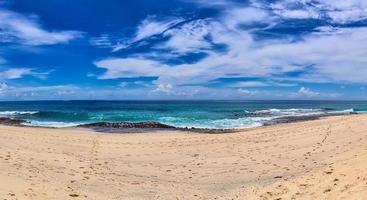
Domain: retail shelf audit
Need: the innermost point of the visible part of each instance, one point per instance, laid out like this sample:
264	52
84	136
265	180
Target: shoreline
324	158
143	127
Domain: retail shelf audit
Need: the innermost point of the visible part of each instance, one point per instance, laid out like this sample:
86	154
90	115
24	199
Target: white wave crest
51	124
246	122
14	113
346	111
290	112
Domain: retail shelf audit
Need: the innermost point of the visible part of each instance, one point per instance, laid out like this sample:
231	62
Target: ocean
198	114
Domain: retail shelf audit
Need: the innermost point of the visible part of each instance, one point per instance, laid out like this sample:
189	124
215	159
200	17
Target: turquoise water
199	114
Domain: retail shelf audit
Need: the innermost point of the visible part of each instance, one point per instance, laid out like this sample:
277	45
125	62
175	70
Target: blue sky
183	49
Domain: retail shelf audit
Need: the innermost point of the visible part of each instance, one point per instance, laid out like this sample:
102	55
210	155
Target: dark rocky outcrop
121	125
11	121
282	120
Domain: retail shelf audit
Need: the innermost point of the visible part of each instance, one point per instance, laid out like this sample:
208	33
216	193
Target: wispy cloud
235	17
14	92
307	93
103	41
15	27
190	37
151	26
16	73
247	84
148	28
248	92
334	11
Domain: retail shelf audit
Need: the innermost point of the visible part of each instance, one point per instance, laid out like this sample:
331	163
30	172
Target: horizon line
185	100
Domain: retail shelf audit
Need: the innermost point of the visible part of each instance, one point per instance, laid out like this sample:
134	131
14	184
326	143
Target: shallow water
198	114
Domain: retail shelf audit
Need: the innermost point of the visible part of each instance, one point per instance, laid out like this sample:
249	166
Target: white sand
322	159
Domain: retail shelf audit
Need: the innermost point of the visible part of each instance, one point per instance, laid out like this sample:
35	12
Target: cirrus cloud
16	73
15	27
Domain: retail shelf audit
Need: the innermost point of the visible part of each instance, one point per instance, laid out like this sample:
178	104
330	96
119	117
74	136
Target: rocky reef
121	125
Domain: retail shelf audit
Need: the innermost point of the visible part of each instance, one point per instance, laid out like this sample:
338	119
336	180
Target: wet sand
320	159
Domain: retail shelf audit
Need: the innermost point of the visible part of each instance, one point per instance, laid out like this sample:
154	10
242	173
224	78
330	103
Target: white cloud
345	11
249	84
307	92
150	27
103	41
297	14
235	13
336	11
165	88
107	41
16	73
53	88
36	92
170	90
293	9
304	92
248	92
17	27
3	87
244	16
188	38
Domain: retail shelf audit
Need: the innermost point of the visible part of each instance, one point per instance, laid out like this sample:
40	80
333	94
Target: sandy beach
320	159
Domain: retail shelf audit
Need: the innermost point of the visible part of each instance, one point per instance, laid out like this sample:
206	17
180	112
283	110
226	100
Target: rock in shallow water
12	122
127	125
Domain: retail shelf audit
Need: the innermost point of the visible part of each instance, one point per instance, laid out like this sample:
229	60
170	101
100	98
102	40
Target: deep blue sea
199	114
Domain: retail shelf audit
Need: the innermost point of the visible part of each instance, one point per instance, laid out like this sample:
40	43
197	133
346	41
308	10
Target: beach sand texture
321	159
